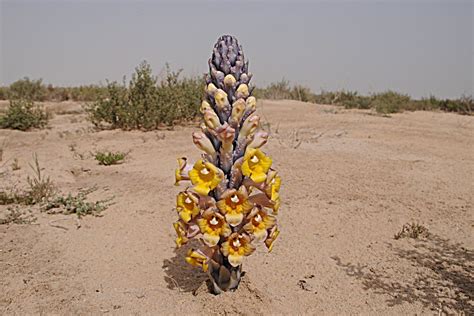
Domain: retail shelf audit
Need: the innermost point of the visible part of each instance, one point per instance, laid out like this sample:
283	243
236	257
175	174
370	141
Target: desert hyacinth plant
234	197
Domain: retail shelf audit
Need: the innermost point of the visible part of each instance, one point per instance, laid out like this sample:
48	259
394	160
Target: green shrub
146	103
275	91
110	158
178	99
77	204
3	93
40	189
390	102
111	111
425	104
86	93
463	105
28	89
24	115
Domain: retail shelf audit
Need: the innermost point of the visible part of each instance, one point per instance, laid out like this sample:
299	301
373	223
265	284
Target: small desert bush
283	90
16	216
412	230
40	189
76	204
23	115
28	89
110	158
111	110
146	103
390	102
463	105
385	103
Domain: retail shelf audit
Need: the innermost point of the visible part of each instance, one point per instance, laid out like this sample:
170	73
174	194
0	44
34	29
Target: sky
419	47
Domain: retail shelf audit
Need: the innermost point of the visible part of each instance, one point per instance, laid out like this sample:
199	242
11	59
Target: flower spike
235	195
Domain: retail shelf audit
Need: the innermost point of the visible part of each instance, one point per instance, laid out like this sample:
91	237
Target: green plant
463	105
15	216
390	102
77	204
147	103
3	93
40	188
234	200
28	89
412	230
10	197
110	158
112	110
24	115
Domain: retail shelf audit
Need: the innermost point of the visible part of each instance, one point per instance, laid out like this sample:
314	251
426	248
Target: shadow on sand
446	285
182	276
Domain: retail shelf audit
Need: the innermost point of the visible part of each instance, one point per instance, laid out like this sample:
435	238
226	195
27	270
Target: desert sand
350	181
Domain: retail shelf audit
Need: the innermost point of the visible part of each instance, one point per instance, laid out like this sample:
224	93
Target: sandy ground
350	181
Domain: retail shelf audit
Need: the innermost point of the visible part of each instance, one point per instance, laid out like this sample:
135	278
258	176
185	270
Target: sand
351	180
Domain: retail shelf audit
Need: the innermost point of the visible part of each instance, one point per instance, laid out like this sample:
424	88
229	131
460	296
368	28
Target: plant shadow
446	282
181	275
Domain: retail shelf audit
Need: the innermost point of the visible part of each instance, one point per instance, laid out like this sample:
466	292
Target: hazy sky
417	47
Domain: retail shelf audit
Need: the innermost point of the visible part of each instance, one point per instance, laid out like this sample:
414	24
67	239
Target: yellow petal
194	176
271	239
225	248
276	206
246	168
235	260
226	231
202	223
185	215
248	249
258	177
260	234
265	163
211	240
201	189
234	219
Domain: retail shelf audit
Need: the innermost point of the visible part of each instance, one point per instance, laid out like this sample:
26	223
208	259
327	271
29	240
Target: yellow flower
213	226
180	229
236	247
273	189
276	205
273	185
259	223
271	238
182	172
256	164
205	177
234	204
187	205
196	258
